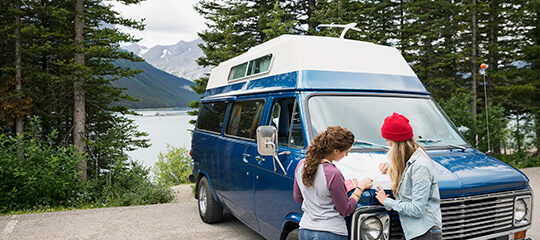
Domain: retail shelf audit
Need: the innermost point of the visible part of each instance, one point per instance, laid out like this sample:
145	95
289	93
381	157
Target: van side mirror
267	144
267	140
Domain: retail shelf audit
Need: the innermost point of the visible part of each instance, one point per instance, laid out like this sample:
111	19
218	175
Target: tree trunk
79	113
537	129
518	133
493	60
401	22
474	69
311	24
18	77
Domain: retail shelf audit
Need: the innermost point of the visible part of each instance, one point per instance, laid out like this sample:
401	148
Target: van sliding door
237	171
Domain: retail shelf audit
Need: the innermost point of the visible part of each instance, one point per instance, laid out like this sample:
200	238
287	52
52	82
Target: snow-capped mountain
136	48
178	60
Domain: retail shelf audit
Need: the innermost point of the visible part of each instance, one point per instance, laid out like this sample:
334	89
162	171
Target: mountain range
178	59
155	88
168	73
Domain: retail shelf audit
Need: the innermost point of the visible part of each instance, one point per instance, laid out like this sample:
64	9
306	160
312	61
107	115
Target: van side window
238	71
259	65
244	119
286	118
212	116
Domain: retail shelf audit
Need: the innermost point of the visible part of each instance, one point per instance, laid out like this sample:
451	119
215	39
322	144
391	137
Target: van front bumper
484	216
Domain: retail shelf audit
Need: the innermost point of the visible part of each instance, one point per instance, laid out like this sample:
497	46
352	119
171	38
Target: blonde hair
399	155
324	143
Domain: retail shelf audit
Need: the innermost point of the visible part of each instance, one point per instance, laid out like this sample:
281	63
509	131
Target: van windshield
364	116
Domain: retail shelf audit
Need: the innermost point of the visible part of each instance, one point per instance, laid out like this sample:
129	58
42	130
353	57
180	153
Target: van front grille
471	217
477	216
396	232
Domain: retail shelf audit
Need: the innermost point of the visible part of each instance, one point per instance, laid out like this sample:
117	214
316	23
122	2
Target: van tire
209	210
293	235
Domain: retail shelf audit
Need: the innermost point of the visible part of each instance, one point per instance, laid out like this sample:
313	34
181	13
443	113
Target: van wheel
209	210
293	235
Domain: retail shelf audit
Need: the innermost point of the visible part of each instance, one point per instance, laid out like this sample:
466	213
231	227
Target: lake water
164	127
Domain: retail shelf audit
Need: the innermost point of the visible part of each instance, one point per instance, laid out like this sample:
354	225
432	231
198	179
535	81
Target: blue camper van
262	109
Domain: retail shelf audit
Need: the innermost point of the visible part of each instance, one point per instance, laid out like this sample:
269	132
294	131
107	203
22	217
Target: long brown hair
324	143
399	155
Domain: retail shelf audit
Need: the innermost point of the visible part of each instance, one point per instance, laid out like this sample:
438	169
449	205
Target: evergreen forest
63	142
445	42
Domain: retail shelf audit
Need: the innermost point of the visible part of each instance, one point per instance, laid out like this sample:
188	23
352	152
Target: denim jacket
418	199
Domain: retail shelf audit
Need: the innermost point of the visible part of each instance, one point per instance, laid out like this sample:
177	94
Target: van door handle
284	153
245	157
259	158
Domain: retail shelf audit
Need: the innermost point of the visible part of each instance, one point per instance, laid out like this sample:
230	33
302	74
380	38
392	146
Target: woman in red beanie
414	184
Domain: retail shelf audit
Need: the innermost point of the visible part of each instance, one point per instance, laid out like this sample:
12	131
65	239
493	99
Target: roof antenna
483	66
345	27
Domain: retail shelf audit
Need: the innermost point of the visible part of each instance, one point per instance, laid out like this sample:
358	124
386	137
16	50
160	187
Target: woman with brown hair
320	187
414	184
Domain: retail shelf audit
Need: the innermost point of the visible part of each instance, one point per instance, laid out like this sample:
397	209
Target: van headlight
371	228
522	210
374	226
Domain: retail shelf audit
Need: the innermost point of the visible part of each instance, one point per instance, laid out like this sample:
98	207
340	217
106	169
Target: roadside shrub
519	159
129	184
173	167
35	173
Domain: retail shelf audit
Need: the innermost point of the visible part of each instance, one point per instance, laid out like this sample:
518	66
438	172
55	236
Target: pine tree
110	134
519	92
428	44
280	22
532	55
381	19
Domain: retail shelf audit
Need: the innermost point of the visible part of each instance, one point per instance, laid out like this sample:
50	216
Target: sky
167	21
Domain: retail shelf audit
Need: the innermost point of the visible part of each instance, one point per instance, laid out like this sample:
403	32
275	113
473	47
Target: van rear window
212	116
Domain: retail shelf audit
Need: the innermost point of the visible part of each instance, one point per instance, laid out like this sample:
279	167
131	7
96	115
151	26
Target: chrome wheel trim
203	200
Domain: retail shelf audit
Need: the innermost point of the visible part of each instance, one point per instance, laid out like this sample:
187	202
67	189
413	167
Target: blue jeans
306	234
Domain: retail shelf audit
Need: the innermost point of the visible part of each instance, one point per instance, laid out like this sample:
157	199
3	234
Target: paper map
357	166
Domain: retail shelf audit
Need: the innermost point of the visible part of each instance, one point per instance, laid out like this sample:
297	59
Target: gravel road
178	220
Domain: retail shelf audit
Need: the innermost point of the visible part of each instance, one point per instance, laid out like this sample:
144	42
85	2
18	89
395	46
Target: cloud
167	21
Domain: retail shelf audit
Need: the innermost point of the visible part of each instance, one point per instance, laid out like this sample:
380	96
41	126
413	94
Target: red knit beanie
397	128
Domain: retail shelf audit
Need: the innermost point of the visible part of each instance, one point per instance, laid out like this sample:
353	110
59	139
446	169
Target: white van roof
292	53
